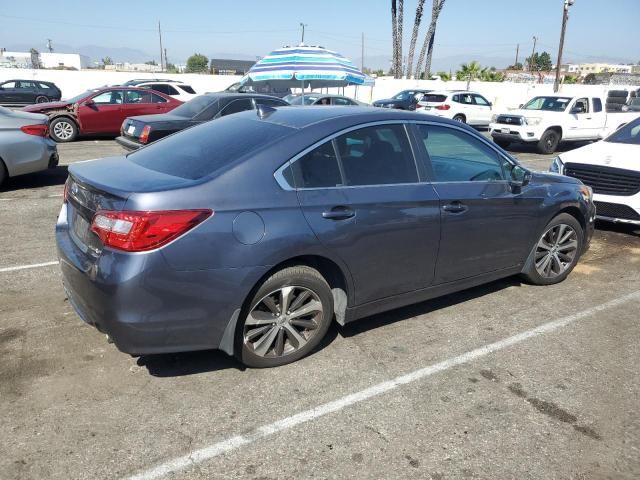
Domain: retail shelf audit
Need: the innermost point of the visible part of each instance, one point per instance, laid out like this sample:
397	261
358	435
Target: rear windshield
200	151
194	106
433	98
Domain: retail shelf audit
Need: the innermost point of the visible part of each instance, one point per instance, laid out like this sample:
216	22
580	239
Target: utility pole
565	17
166	62
49	45
362	57
161	49
517	52
303	25
535	39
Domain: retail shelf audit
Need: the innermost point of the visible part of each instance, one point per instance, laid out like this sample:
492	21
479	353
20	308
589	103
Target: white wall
503	95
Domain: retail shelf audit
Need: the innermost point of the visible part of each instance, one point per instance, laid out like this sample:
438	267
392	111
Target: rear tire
63	129
42	99
285	319
459	118
556	252
549	142
3	173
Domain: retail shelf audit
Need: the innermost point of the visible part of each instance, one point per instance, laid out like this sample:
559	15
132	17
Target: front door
485	225
362	196
482	109
104	115
580	122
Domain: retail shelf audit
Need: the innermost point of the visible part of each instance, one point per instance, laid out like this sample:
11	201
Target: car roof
240	95
304	116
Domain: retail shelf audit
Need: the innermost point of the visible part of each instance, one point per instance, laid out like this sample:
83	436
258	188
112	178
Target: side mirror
577	109
89	103
521	105
490	104
520	177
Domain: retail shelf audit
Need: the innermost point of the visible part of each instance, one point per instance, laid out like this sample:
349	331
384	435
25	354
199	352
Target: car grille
510	120
615	210
605	180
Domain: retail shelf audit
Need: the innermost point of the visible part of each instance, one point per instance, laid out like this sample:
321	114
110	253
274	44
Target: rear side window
237	106
597	104
434	98
187	88
317	169
201	151
45	86
378	155
456	156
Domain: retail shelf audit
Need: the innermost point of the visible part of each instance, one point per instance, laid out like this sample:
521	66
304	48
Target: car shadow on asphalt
46	178
623	228
531	147
424	308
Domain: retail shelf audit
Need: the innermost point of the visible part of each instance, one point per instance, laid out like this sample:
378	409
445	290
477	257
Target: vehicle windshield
194	106
297	99
77	98
549	104
404	95
629	134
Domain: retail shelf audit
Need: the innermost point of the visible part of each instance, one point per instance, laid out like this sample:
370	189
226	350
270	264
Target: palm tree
414	35
394	34
427	46
469	71
400	39
444	76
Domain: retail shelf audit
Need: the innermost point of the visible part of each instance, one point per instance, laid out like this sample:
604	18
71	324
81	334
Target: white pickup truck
548	120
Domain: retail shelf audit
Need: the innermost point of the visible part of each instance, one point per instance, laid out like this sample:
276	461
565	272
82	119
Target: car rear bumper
128	144
31	154
147	307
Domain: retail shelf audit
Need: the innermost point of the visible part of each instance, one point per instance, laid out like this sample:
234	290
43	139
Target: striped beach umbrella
306	67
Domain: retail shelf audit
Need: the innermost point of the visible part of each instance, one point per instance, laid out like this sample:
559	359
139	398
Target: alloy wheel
63	130
556	251
283	321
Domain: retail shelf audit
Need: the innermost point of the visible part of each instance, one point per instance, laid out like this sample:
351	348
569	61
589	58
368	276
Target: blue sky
598	29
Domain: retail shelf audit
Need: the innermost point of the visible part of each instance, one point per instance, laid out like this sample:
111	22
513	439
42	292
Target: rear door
142	102
362	196
485	225
27	91
104	115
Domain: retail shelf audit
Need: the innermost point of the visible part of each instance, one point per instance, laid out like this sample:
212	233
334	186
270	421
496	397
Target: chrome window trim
279	173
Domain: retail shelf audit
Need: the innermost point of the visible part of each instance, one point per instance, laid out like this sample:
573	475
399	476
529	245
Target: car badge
607	160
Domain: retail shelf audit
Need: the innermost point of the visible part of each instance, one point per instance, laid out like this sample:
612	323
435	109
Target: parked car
612	168
245	234
634	105
548	120
321	99
101	111
405	100
461	106
139	131
264	89
173	88
25	146
26	92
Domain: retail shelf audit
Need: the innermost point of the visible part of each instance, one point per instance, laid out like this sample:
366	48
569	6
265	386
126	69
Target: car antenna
264	111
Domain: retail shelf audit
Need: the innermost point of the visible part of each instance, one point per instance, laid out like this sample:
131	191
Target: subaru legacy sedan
251	234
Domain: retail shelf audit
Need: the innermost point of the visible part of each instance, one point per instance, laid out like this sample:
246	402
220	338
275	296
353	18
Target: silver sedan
25	146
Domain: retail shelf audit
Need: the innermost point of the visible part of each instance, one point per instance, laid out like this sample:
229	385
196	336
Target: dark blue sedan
251	234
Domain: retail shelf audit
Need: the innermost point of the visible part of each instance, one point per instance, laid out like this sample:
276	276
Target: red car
101	111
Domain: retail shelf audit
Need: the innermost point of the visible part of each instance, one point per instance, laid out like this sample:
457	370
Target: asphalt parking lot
497	382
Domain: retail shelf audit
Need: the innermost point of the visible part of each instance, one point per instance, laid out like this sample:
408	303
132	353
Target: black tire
301	278
530	272
3	173
549	142
63	129
42	99
617	93
501	142
460	118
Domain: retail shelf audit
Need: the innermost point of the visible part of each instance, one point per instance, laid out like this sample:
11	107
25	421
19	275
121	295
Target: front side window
458	157
582	103
378	155
480	100
108	98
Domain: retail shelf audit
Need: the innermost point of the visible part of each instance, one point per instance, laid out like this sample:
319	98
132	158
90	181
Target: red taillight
144	135
419	106
41	130
443	107
142	231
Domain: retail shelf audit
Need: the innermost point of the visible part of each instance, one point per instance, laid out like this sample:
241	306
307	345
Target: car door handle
339	213
455	207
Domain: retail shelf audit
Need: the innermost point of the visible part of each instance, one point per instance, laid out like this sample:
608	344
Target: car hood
386	101
608	154
547	177
45	107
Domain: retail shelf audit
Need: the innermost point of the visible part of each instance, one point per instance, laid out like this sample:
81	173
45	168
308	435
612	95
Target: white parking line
232	443
26	267
9	199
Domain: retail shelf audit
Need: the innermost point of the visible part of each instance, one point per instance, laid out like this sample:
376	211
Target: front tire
549	142
63	129
556	252
286	318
